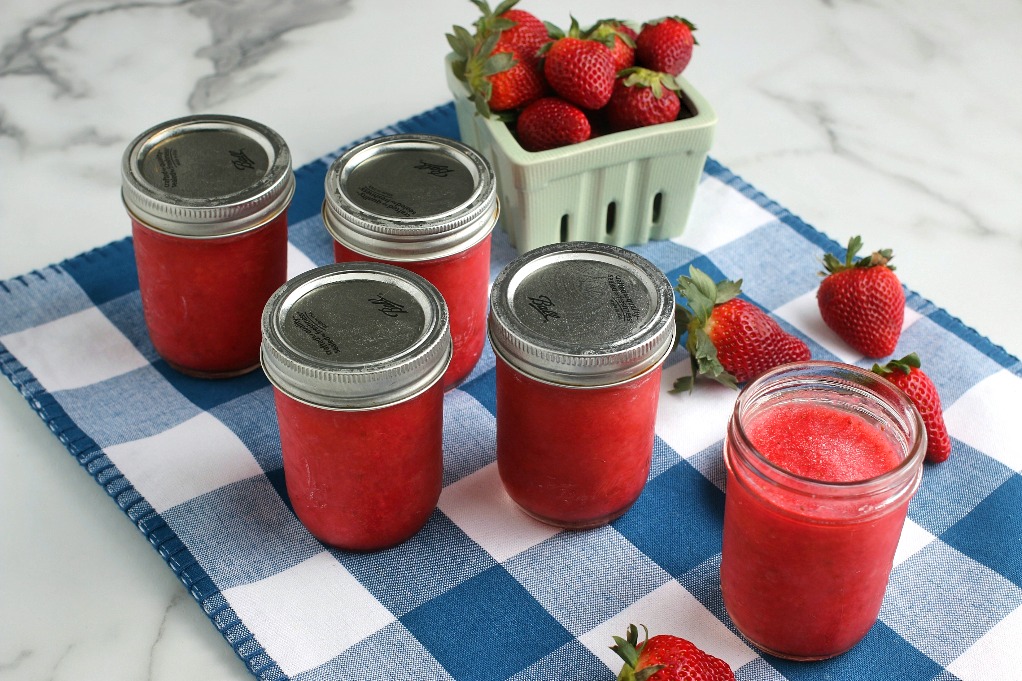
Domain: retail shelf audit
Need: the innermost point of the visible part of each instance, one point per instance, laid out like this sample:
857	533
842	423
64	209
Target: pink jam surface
797	586
363	480
203	298
570	457
463	280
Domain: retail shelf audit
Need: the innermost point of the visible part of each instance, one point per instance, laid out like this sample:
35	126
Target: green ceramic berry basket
625	188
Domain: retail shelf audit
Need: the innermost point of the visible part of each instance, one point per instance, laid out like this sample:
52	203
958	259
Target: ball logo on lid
435	169
544	306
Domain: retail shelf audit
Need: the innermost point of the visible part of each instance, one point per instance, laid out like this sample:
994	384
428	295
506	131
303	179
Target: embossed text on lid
207	175
582	313
355	336
410	197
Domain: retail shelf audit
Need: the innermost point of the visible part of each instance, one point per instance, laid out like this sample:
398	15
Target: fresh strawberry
579	70
907	375
551	122
520	32
619	38
862	300
667	658
729	339
665	45
642	97
497	81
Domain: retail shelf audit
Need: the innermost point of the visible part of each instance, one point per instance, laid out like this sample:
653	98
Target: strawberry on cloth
667	658
729	339
862	301
665	45
907	374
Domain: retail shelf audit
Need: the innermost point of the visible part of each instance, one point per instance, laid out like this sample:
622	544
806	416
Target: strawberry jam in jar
822	459
428	204
356	353
580	331
208	198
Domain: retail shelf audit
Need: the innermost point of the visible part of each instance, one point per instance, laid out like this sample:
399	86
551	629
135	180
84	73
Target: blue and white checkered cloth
483	592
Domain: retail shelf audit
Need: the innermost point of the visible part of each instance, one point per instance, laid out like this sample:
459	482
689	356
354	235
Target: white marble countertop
896	121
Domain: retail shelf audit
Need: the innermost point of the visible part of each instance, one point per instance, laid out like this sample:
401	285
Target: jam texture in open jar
822	460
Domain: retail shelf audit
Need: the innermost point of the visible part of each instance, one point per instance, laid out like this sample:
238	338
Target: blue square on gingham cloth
484	592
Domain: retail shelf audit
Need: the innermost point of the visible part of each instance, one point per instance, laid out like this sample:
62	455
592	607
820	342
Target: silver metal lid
355	336
582	313
207	175
410	197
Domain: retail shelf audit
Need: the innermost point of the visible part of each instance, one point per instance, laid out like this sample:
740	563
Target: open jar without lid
822	459
580	331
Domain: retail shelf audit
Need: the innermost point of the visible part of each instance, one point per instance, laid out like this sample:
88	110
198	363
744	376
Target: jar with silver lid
580	331
428	204
356	353
208	198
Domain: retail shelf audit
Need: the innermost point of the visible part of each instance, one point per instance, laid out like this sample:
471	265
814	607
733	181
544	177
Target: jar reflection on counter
580	331
356	353
427	204
208	198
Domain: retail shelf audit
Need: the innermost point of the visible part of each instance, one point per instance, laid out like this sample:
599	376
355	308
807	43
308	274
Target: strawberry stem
880	258
628	649
905	365
702	294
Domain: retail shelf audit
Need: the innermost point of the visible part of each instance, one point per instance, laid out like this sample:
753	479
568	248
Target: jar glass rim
848	378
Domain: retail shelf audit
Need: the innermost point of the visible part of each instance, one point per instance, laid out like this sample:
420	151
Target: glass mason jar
822	459
428	204
356	353
580	331
208	198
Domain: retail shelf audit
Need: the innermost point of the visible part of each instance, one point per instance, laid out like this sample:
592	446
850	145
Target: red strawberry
730	339
862	300
665	45
667	658
551	122
907	375
579	70
619	39
520	31
516	86
497	81
642	97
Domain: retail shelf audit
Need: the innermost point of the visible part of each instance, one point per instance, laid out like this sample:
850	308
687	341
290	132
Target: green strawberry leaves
702	294
880	258
475	63
628	650
906	364
657	81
